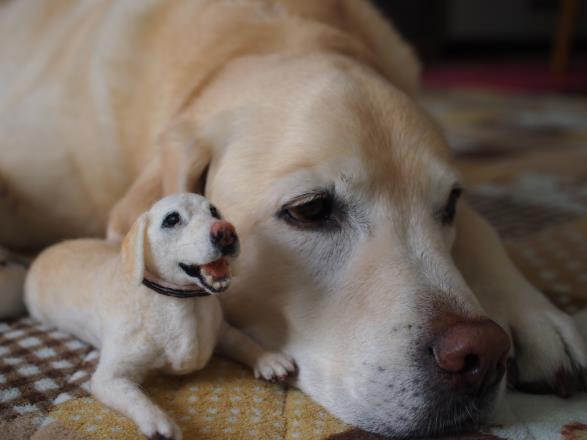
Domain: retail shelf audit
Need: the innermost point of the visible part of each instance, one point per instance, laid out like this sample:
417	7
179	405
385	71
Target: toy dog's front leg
267	365
116	384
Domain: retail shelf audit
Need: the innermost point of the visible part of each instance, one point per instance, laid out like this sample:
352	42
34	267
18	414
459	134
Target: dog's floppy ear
177	166
184	159
133	250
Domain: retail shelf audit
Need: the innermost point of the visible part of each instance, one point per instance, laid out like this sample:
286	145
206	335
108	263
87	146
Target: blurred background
513	44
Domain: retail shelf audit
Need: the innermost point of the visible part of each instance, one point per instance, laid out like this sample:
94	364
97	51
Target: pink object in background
515	76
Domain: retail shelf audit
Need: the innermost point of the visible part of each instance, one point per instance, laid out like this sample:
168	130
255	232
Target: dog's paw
159	426
274	367
550	356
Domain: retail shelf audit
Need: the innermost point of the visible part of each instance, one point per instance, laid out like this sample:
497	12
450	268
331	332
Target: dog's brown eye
315	212
171	220
449	211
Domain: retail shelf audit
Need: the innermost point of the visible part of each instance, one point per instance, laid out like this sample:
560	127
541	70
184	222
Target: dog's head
347	203
347	206
181	242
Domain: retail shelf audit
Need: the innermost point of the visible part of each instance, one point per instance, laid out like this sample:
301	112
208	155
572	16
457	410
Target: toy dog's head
182	246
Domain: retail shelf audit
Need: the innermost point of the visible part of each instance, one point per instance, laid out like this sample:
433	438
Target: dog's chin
213	277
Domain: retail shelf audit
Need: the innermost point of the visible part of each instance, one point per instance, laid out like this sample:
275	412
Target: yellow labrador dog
297	118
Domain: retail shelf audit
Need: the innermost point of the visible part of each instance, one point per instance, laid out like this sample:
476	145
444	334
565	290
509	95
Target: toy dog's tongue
217	269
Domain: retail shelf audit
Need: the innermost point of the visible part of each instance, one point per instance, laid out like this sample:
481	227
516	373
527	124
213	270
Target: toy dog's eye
214	212
171	220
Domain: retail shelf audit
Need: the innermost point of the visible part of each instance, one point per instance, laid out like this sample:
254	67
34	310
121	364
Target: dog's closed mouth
214	276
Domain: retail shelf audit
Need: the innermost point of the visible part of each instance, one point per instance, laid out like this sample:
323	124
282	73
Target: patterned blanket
525	159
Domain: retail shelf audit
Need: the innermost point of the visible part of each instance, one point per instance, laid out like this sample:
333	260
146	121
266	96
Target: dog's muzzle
214	276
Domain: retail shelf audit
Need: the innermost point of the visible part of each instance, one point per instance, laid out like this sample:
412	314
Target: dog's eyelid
457	190
448	211
315	210
307	198
454	195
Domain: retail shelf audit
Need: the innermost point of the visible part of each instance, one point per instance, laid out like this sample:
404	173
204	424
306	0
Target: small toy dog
148	305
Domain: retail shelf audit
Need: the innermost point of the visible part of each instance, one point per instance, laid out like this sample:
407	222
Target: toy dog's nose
223	236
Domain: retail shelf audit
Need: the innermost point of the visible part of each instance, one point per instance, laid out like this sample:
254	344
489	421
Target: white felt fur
93	289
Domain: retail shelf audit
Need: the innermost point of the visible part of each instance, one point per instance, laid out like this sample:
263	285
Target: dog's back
86	88
65	282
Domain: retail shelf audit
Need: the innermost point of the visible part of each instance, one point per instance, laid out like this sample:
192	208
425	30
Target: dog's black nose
472	355
223	236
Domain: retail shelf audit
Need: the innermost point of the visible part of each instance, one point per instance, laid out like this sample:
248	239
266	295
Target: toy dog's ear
133	250
179	165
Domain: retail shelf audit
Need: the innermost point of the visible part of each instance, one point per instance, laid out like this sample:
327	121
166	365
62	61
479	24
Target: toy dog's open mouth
214	276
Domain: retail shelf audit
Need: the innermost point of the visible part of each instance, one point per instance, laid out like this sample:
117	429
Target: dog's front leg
267	365
116	384
549	354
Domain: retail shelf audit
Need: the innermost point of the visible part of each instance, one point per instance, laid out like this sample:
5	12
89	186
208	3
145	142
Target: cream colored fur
106	106
93	289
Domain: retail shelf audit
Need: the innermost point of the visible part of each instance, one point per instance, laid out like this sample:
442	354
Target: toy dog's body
148	305
180	333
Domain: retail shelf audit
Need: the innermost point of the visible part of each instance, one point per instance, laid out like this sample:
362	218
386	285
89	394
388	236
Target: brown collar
173	292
